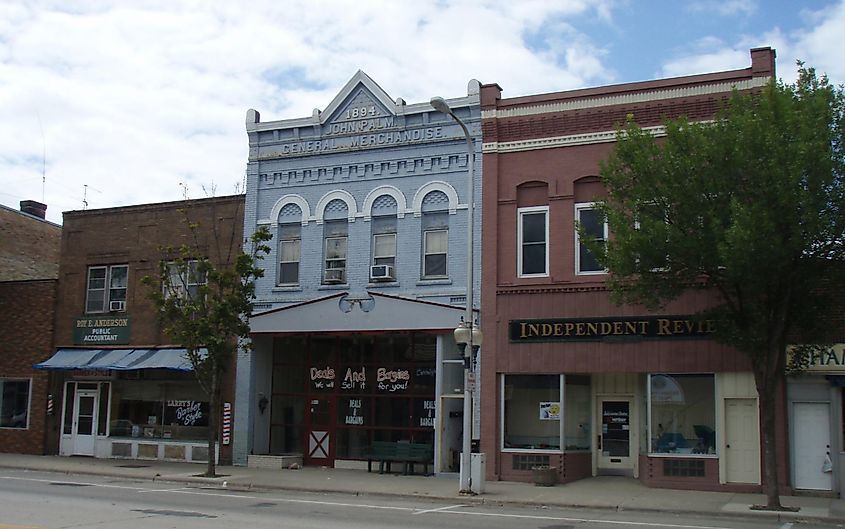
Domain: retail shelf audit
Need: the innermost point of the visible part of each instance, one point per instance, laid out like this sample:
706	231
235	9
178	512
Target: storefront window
532	412
163	405
683	414
576	412
380	387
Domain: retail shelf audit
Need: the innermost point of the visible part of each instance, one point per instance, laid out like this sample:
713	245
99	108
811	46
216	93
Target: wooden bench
409	454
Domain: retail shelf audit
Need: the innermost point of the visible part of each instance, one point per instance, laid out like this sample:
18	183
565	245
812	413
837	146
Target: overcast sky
144	101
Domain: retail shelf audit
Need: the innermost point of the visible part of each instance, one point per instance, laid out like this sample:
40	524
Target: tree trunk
768	405
214	412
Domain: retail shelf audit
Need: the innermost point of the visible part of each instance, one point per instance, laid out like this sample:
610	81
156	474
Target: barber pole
227	422
49	404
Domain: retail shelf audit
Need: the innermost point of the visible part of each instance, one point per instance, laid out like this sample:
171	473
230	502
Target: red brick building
29	264
569	379
123	389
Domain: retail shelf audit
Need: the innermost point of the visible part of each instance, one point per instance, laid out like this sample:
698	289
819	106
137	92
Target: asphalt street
42	500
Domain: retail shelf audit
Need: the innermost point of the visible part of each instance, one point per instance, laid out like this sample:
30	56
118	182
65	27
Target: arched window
435	235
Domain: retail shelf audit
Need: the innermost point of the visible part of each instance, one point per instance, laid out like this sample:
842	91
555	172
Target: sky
111	103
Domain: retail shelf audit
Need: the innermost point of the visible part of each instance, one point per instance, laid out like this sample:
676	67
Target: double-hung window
106	290
335	236
384	240
185	280
435	245
289	253
533	241
593	224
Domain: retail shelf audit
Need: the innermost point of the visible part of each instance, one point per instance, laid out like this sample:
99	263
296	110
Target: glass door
614	439
84	423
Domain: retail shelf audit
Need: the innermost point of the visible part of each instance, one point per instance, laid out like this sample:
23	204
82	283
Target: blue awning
119	359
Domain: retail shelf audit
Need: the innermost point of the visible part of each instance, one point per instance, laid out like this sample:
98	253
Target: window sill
439	281
533	450
339	286
286	288
383	284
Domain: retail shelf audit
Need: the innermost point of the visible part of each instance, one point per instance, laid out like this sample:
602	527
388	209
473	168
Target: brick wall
27	330
138	237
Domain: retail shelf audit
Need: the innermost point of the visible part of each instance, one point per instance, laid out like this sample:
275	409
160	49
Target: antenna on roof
43	158
85	195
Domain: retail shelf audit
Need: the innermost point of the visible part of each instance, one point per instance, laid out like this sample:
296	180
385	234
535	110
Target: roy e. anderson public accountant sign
101	330
609	329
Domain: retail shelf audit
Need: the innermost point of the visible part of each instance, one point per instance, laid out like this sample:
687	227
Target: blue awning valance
119	359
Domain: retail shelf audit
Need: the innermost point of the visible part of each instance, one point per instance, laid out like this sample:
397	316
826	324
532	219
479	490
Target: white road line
584	520
441	509
162	490
786	525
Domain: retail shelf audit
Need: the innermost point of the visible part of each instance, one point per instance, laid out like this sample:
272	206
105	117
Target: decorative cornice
625	99
606	136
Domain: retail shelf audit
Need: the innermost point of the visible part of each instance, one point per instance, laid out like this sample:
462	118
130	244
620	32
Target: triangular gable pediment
360	99
342	313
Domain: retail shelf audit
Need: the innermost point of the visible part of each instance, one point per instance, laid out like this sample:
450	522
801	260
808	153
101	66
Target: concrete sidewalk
605	492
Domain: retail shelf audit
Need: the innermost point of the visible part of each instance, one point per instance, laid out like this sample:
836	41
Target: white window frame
182	286
327	262
106	289
583	206
3	380
520	213
281	262
426	253
389	256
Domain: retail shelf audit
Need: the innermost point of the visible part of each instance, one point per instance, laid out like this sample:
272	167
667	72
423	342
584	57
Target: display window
682	411
381	388
532	412
160	404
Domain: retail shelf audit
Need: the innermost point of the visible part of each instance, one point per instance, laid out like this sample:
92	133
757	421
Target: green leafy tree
204	302
750	207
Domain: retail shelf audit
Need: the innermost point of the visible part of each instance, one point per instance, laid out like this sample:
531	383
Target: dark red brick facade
545	151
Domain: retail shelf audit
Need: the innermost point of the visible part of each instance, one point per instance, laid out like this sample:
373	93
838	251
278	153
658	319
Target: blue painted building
352	330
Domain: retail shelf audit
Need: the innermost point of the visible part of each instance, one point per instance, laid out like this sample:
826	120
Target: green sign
101	330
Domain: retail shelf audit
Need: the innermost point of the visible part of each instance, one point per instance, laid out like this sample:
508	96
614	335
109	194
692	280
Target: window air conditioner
382	273
117	306
334	276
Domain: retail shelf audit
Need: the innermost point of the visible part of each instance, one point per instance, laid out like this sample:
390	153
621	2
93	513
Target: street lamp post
467	333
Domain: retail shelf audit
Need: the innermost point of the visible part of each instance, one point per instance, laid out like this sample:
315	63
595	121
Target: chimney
36	209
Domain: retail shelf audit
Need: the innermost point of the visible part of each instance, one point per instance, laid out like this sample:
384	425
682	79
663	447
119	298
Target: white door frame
616	464
83	444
